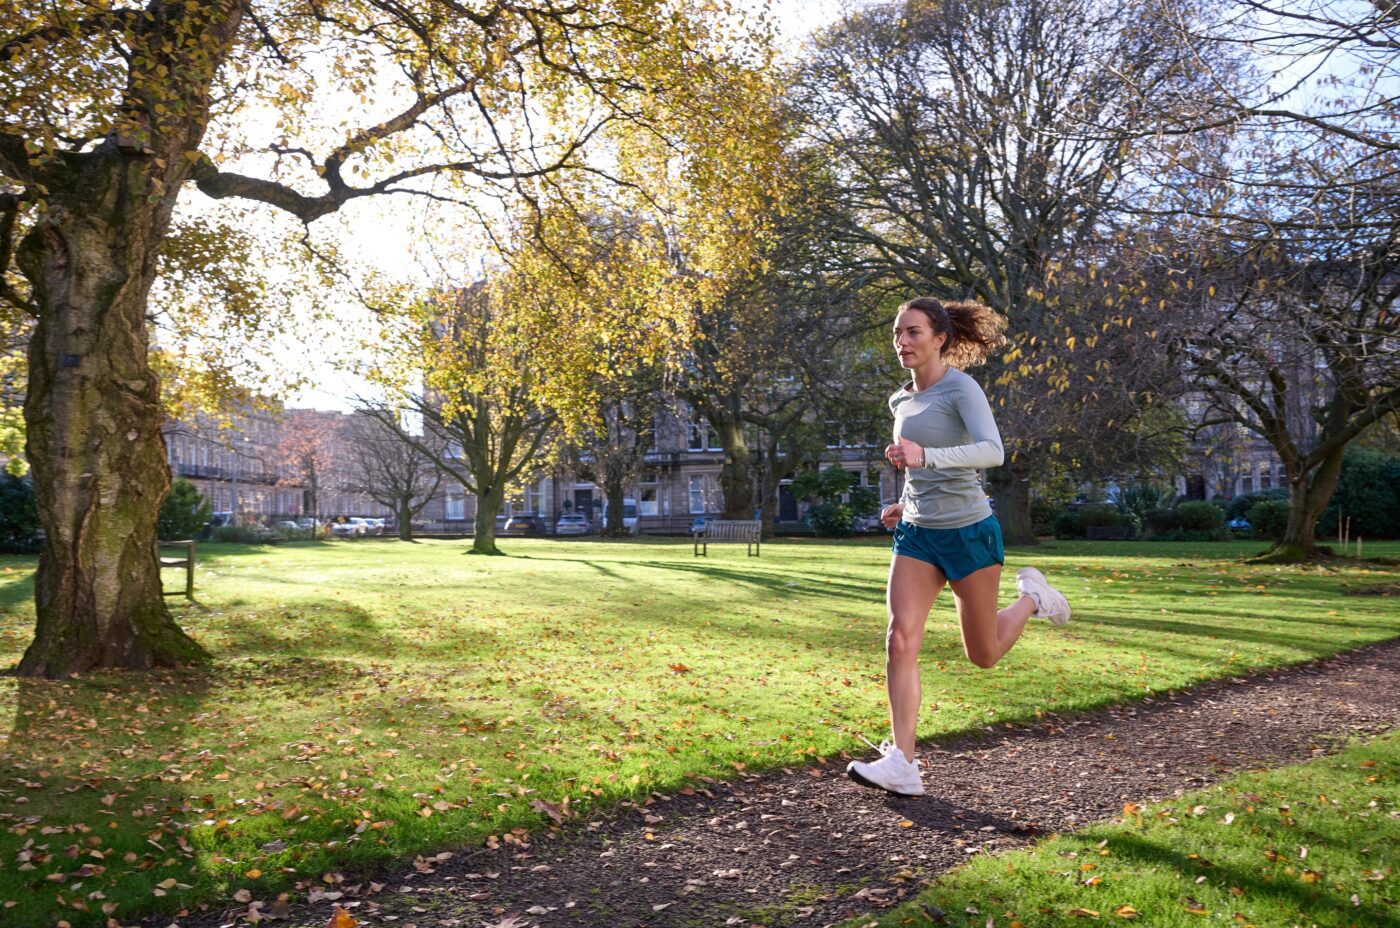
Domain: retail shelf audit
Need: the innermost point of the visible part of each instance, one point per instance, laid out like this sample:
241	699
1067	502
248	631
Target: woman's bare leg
986	632
913	586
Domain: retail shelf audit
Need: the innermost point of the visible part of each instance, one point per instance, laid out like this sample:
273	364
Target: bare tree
397	473
981	148
1302	349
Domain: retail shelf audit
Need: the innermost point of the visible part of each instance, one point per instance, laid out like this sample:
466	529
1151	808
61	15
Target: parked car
1238	524
572	523
524	525
287	525
867	523
373	526
350	528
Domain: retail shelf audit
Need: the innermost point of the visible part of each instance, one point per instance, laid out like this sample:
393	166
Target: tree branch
88	25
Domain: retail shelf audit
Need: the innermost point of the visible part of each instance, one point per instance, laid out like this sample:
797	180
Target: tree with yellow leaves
112	111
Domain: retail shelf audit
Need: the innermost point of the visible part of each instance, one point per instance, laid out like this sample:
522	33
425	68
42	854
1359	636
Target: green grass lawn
1315	844
377	699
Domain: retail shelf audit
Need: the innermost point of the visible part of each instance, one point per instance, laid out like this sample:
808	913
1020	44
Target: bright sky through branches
390	225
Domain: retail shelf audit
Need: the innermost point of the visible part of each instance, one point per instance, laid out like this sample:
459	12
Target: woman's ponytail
973	330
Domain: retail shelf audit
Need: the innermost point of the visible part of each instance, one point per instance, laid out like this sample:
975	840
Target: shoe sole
855	775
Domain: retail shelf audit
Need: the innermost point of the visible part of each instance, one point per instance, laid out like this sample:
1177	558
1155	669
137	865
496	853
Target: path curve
810	848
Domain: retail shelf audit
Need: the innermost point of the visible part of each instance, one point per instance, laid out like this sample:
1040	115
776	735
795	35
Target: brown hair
973	330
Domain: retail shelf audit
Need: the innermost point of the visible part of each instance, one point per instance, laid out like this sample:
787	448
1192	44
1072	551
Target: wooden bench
186	561
748	531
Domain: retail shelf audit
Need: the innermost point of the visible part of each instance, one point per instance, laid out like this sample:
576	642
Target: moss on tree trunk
93	418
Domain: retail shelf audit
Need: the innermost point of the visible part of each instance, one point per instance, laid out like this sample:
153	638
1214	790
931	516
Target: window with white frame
697	493
456	505
534	498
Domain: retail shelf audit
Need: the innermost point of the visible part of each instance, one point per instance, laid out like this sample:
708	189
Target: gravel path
809	848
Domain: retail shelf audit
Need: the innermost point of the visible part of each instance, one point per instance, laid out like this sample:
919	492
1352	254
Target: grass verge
372	701
1315	845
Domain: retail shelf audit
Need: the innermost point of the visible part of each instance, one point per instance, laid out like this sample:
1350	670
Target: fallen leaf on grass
1126	911
341	919
555	812
1083	913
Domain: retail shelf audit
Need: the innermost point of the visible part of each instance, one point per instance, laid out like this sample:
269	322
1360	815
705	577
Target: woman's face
914	341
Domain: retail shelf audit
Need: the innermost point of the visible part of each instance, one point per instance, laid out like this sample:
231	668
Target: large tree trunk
405	517
1011	489
612	492
735	477
1307	498
488	505
93	419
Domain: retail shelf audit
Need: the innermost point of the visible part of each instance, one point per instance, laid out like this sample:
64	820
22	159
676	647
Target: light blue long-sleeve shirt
953	422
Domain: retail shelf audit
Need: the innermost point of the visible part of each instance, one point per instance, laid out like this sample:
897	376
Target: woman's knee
902	642
984	659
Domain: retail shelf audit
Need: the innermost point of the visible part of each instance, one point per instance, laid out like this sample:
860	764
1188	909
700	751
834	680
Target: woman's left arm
985	450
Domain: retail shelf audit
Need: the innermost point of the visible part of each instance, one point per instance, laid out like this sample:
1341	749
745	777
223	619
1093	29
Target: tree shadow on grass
102	756
1312	638
785	583
1144	853
334	629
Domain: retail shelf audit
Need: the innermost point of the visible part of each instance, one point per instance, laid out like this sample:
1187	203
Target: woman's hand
890	515
904	453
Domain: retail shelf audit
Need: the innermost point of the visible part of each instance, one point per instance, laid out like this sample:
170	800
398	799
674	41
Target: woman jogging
944	530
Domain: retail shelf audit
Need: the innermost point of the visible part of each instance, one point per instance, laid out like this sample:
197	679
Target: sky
394	221
393	225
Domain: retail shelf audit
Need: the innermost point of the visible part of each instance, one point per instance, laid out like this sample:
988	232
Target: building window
701	436
697	493
649	501
534	498
704	493
456	505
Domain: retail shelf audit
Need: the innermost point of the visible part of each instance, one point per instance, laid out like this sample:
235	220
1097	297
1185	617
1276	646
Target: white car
350	528
572	523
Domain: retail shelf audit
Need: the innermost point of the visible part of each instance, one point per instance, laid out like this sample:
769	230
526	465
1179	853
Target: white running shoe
893	772
1049	602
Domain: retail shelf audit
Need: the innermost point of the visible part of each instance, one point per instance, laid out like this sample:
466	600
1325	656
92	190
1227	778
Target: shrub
1160	521
183	512
1269	518
1238	507
1368	492
19	516
1043	513
830	516
1201	516
1068	526
1138	499
1101	515
239	534
831	520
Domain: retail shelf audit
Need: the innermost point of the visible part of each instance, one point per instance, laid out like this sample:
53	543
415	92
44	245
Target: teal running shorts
955	551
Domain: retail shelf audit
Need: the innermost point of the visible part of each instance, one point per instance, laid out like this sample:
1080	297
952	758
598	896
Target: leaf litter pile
807	847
